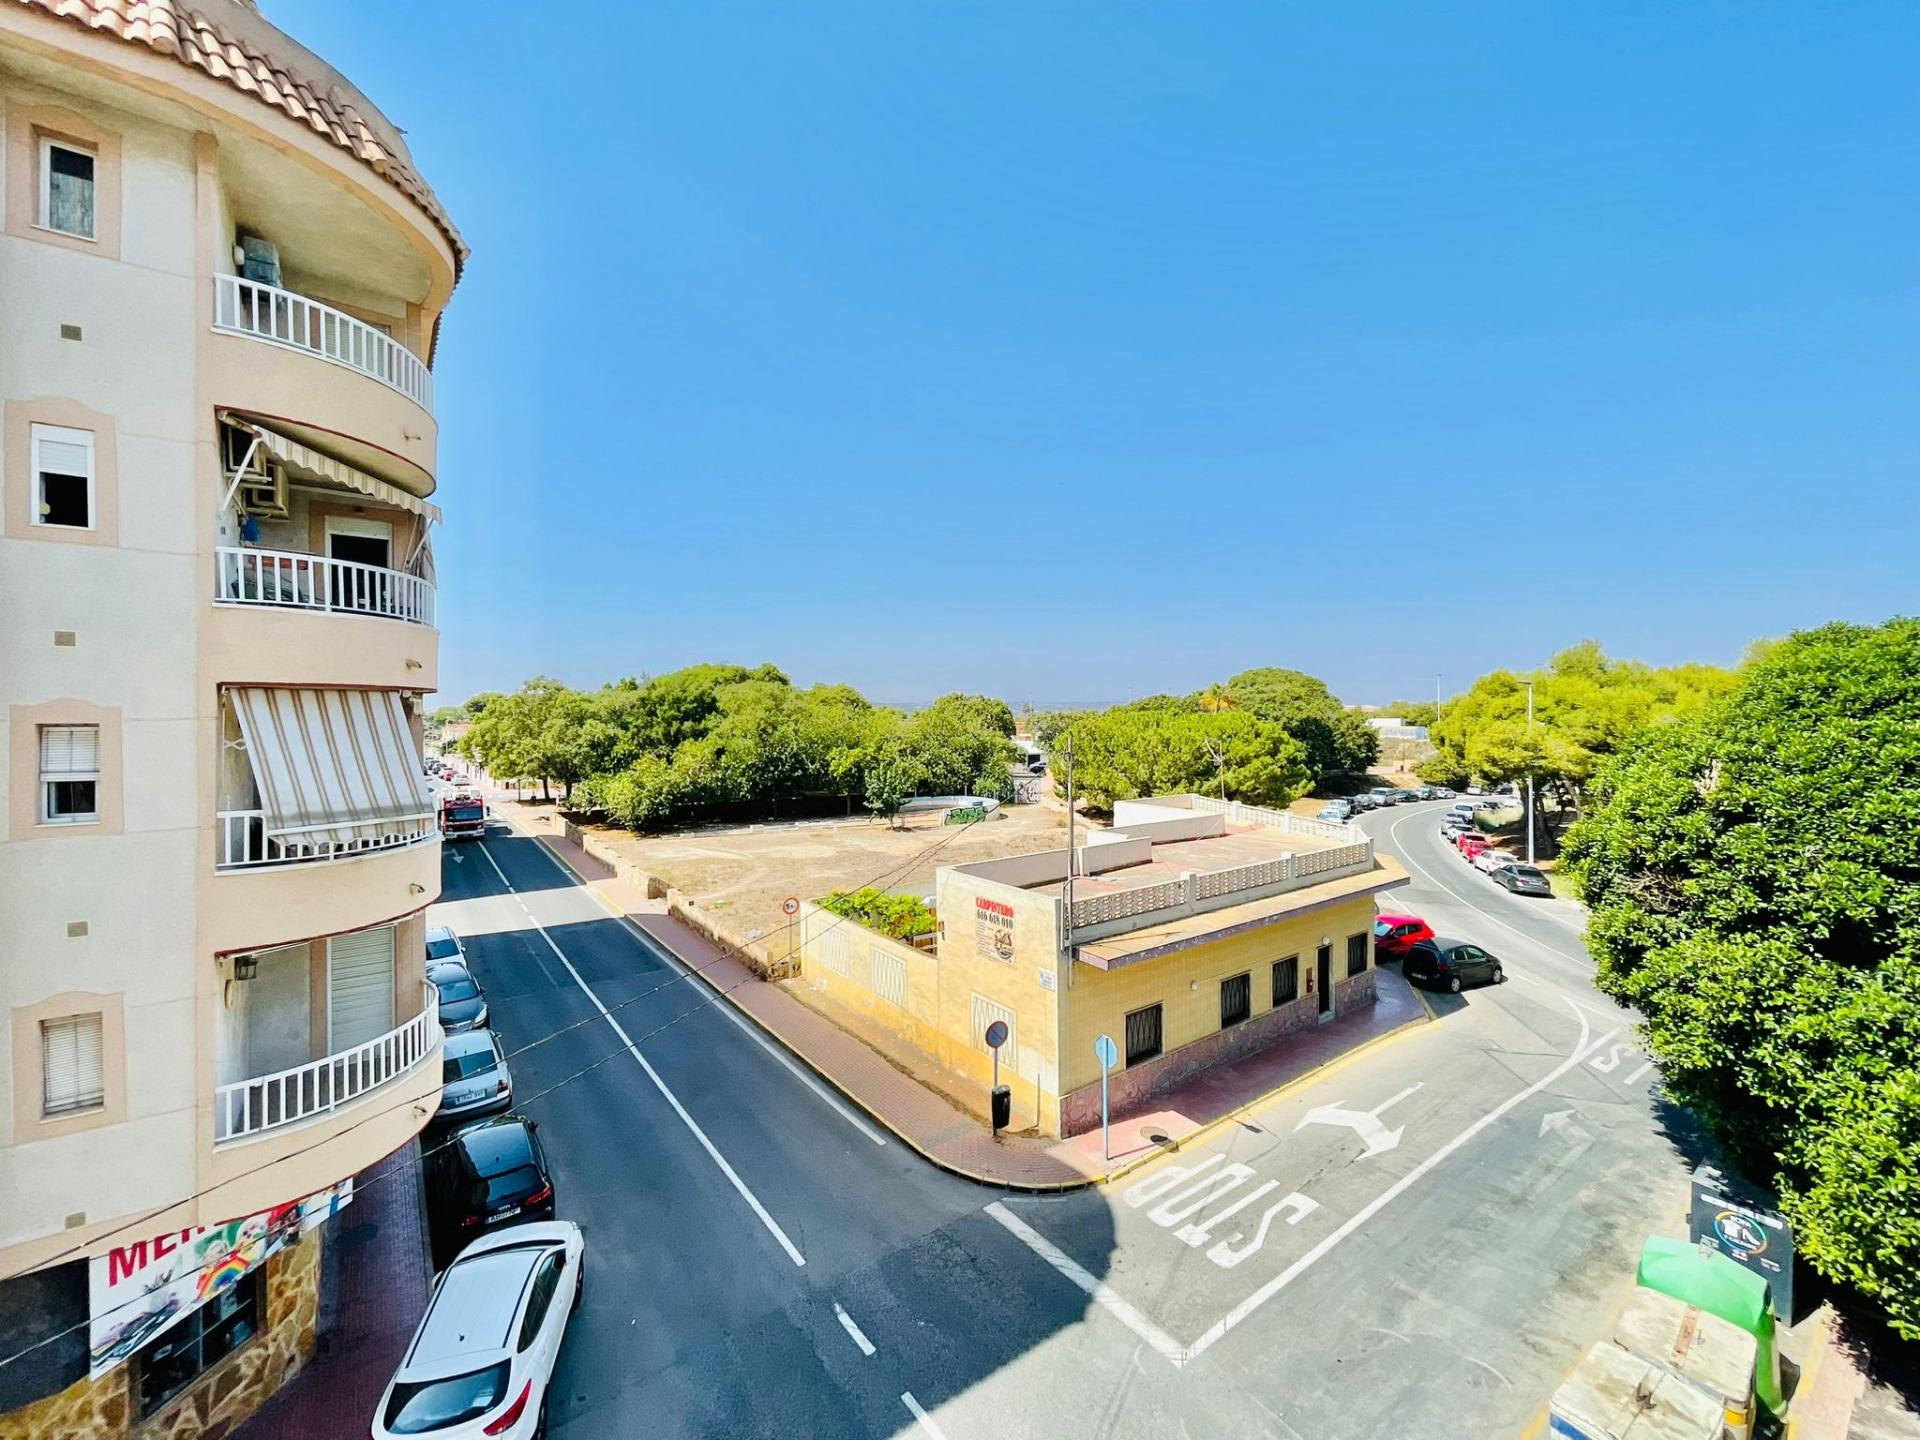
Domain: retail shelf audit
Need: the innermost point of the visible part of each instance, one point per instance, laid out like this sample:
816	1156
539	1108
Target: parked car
1443	792
1523	880
1404	797
443	944
488	1174
1426	792
1463	808
1338	814
462	1004
1475	790
1384	795
482	1359
1453	827
1451	965
1393	935
1471	843
474	1076
1491	859
1364	802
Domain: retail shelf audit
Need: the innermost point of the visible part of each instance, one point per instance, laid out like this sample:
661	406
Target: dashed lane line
859	1337
926	1420
753	1201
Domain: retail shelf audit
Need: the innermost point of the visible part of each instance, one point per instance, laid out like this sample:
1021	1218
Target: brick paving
374	1283
931	1122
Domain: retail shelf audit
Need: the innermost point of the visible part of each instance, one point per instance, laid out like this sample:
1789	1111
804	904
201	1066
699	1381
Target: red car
1393	934
1472	843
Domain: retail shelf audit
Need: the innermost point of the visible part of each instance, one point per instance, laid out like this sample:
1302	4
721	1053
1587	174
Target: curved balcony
281	317
253	1107
245	844
289	579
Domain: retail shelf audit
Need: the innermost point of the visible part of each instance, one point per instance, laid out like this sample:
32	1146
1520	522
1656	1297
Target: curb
991	1182
1822	1332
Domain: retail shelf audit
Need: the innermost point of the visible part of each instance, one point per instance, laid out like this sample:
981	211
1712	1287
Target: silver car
474	1077
1523	880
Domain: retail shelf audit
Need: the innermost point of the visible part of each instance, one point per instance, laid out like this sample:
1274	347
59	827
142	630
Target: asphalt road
759	1265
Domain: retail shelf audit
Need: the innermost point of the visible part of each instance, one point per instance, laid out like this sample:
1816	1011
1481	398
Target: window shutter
71	1062
69	751
62	457
359	987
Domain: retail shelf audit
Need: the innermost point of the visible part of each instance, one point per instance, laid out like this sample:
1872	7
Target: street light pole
1529	772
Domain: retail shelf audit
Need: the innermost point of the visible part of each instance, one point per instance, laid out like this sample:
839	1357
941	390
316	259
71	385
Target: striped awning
333	767
311	467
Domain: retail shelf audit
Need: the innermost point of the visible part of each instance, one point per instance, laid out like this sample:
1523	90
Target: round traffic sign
791	905
1105	1051
996	1034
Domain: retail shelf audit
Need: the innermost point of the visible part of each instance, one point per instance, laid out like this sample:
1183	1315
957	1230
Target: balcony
290	579
245	843
255	1106
284	318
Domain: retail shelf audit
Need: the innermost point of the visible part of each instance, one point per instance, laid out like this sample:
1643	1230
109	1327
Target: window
70	1064
69	774
1236	999
172	1360
1286	981
1143	1034
540	1298
1357	954
62	477
66	188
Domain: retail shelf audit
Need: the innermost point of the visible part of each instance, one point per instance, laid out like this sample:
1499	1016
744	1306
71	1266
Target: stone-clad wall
215	1404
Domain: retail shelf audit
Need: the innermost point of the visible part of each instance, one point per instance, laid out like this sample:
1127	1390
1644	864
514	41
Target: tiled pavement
374	1285
929	1121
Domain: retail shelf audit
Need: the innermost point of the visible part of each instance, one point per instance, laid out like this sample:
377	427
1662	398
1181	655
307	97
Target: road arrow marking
1364	1123
1558	1120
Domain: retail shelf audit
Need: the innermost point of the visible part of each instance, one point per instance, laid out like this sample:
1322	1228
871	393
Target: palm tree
1216	699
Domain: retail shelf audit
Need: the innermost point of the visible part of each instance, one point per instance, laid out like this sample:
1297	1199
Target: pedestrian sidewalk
374	1283
931	1122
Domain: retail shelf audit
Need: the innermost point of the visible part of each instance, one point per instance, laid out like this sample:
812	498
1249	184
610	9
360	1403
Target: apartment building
1192	932
220	286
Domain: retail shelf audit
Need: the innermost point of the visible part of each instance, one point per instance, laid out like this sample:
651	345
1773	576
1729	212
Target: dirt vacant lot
743	873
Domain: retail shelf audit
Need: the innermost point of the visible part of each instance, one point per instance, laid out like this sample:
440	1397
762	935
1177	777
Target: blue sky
1077	351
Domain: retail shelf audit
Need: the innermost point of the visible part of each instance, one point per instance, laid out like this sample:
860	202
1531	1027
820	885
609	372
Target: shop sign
993	924
1745	1231
140	1289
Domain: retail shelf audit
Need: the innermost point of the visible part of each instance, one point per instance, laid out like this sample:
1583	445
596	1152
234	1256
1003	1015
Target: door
1323	981
360	542
359	988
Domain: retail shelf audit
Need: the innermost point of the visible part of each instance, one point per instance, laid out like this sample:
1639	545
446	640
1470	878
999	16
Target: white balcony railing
280	317
289	579
248	1107
245	844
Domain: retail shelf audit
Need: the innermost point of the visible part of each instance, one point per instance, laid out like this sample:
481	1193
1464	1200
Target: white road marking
793	1067
1581	1051
1101	1294
732	1175
846	1324
1364	1123
926	1420
1635	1076
1393	833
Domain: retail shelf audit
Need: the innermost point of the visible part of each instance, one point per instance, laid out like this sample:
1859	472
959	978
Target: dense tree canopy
1128	752
1585	708
1754	874
726	739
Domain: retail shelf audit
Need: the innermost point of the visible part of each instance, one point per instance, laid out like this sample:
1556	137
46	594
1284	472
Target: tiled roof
170	27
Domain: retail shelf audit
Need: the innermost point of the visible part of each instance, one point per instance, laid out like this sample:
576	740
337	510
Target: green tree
1126	753
1335	740
1753	870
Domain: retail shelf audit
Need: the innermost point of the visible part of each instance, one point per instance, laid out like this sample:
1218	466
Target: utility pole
1066	910
1529	772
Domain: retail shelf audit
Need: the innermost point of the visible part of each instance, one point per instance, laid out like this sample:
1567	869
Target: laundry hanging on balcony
336	769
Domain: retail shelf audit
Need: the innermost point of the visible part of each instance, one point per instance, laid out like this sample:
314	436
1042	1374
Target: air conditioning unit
262	489
258	259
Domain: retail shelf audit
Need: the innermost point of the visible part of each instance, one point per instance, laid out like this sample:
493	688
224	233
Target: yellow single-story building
1194	931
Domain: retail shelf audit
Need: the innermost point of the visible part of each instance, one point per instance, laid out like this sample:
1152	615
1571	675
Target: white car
481	1361
1490	860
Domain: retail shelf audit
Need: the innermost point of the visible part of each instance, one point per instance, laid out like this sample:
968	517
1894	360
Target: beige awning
335	768
311	467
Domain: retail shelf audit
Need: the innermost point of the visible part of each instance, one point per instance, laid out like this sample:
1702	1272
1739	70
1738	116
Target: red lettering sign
126	1261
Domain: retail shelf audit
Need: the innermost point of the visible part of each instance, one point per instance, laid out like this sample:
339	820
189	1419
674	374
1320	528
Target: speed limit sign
791	905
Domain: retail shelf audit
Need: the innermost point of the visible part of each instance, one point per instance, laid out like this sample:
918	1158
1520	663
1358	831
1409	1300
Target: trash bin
1002	1106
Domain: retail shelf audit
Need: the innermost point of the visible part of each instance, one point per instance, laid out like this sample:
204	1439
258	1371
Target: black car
488	1174
1451	965
462	1005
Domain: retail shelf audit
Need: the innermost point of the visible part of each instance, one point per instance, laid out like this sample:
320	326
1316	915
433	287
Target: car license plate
506	1214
